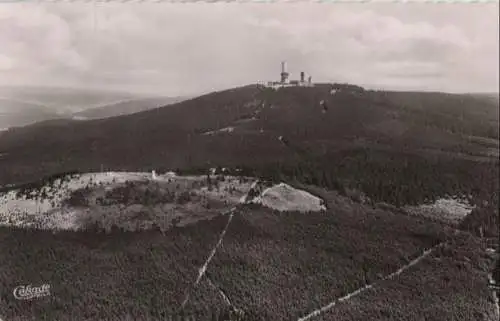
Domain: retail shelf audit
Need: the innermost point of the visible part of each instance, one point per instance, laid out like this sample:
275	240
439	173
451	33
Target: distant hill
492	97
19	113
434	132
126	107
20	106
64	100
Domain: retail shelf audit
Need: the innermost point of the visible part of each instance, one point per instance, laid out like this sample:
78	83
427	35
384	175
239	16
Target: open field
125	201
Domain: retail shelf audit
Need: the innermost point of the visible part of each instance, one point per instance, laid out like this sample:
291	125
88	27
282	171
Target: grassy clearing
121	201
144	205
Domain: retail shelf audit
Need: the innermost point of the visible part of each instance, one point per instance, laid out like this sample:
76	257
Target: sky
183	49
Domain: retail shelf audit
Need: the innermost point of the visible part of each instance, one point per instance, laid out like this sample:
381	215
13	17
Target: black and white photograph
249	160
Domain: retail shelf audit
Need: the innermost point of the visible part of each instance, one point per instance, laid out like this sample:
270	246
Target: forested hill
374	140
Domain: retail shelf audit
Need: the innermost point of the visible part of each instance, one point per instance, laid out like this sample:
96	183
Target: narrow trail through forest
348	296
203	268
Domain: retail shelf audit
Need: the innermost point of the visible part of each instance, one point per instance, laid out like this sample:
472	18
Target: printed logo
27	292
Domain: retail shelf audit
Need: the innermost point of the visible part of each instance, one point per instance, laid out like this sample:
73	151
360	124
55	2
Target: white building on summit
285	82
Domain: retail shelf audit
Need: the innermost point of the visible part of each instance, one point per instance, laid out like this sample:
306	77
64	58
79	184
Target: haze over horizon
180	49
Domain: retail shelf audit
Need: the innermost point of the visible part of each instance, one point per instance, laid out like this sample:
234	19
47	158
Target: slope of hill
354	123
491	97
464	113
453	264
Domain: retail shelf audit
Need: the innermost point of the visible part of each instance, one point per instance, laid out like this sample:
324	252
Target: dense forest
400	148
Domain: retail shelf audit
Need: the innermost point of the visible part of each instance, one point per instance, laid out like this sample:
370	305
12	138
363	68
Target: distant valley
21	106
125	107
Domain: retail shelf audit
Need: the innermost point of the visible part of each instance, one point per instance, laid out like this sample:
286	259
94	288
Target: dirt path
321	310
222	294
244	200
203	268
